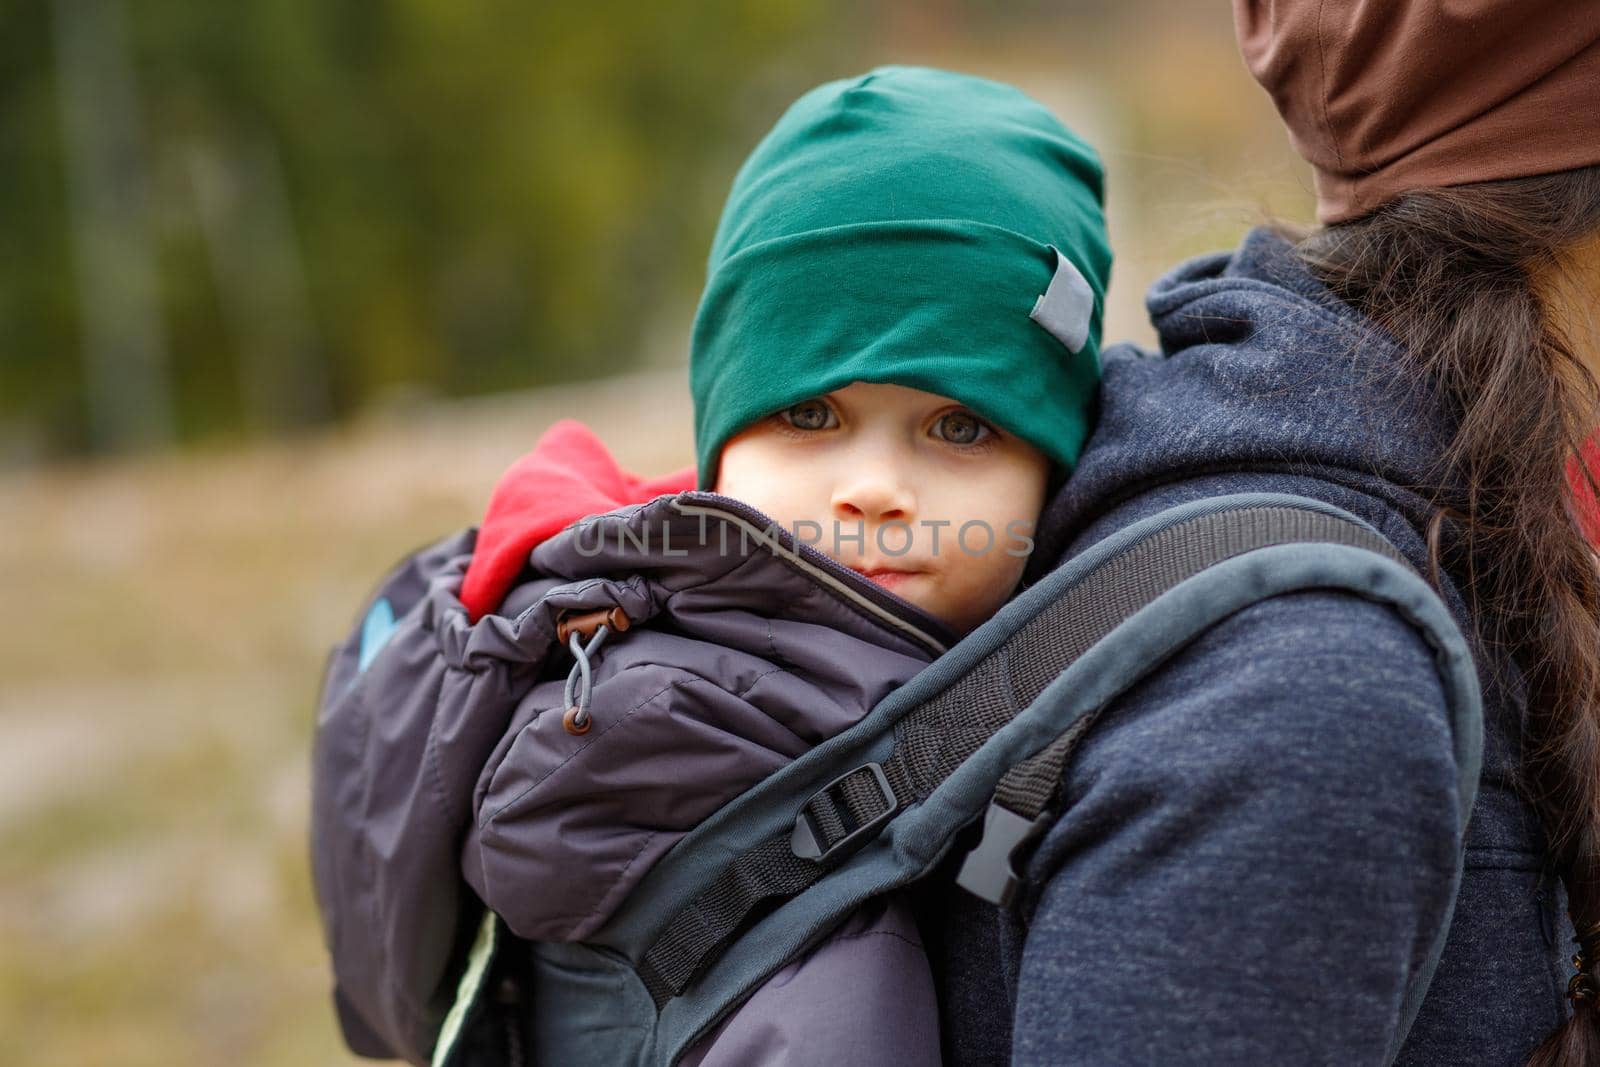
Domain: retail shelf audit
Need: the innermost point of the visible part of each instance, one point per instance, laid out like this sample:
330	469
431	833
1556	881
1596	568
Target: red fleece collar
568	475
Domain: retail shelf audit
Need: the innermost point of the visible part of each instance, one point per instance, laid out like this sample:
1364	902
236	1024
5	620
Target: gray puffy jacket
443	774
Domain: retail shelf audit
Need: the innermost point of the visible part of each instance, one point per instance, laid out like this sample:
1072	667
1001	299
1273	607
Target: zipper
896	610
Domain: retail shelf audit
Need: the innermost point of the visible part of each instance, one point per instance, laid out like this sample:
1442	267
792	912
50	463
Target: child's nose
874	499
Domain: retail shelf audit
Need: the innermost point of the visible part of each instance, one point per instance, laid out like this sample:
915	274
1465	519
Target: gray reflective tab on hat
1067	306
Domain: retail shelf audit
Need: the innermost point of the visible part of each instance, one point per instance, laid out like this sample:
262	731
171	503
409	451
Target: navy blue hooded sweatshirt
1257	842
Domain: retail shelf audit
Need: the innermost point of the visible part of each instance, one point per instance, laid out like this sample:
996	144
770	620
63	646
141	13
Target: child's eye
962	428
809	415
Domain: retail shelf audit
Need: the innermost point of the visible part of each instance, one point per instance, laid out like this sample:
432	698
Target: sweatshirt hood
1261	368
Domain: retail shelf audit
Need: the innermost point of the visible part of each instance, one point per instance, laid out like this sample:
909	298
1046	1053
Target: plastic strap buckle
987	872
809	840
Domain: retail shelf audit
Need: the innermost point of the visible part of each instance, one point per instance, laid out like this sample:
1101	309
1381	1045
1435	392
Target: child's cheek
755	472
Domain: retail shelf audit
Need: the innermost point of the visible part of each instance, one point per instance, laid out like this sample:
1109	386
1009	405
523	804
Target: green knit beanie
912	226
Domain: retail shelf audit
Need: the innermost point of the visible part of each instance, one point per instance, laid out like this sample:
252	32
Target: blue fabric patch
375	631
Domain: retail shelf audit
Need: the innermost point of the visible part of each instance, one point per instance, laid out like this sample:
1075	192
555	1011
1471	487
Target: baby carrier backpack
983	734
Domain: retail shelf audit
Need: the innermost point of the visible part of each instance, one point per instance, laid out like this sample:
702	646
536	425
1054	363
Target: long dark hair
1459	276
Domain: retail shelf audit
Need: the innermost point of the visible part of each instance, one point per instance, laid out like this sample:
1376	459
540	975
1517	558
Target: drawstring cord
570	626
577	719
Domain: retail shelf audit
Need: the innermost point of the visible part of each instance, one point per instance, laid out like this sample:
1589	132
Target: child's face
908	470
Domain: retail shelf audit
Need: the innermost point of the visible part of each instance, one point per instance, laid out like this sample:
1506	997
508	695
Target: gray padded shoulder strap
937	736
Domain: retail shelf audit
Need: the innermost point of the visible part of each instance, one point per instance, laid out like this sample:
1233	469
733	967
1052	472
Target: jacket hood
1261	368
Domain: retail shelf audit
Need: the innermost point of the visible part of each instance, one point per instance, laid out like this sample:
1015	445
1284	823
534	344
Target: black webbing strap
937	736
1028	787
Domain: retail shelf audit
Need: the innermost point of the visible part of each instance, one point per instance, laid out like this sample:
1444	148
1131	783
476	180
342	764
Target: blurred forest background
284	287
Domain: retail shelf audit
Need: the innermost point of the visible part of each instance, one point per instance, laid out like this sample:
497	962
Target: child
894	360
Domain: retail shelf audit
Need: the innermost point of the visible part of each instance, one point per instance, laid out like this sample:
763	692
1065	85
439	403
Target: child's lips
888	577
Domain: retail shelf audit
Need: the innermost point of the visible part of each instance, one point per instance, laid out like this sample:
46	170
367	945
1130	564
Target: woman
1258	843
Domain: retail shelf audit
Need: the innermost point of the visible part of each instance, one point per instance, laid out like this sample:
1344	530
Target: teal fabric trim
376	629
467	990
